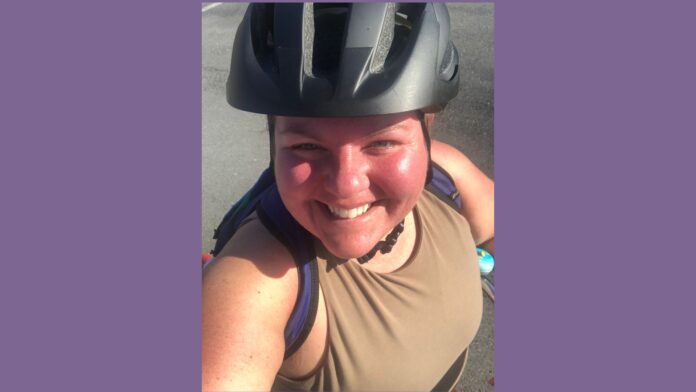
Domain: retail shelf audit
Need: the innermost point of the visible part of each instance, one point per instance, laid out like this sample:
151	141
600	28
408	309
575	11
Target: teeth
351	213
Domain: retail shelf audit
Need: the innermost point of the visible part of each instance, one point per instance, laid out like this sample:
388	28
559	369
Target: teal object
486	261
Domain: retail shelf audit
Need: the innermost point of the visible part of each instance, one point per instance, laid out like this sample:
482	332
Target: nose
348	175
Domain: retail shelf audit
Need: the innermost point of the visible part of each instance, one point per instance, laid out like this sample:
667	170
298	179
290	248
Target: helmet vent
262	37
307	38
406	17
329	28
448	67
386	37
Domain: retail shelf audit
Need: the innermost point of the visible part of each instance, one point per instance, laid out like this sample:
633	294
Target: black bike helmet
343	60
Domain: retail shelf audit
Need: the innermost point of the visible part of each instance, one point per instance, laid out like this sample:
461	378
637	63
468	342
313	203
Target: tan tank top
401	330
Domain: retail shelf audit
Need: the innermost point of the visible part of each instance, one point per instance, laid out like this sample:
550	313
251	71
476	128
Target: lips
348	213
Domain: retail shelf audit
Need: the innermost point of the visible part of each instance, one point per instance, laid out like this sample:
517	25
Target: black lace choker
383	246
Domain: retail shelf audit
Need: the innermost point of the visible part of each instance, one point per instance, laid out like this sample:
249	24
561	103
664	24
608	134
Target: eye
305	147
382	144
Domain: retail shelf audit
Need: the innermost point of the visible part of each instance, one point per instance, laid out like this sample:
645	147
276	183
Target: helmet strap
426	135
270	122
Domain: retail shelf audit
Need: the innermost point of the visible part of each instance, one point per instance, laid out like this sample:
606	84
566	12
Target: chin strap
383	246
426	135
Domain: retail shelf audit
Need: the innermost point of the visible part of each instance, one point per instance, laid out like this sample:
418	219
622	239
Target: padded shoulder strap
276	218
442	185
241	210
263	198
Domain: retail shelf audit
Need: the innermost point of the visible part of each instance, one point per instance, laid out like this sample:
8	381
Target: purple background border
100	214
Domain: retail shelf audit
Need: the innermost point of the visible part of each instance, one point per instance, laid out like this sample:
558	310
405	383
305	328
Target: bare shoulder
476	189
456	163
253	250
248	293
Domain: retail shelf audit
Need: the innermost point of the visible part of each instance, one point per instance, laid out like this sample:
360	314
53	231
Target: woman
350	92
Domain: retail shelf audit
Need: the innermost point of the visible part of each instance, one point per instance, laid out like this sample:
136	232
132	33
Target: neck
384	246
399	254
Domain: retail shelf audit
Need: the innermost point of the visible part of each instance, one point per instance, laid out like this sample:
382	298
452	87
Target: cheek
292	173
410	165
405	172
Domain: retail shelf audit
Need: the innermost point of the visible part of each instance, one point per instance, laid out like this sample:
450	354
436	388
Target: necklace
383	246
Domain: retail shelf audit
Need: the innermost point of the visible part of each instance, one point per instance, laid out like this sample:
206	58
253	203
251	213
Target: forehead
354	125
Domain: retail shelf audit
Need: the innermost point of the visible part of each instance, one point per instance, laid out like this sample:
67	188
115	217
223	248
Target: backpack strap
451	377
276	218
263	198
241	210
442	185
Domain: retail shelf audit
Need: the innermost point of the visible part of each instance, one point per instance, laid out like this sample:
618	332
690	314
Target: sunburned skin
349	181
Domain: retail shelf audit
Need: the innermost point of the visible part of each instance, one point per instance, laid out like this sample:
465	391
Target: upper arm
248	294
475	188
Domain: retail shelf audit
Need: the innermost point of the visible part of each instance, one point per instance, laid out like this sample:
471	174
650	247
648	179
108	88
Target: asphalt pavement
235	143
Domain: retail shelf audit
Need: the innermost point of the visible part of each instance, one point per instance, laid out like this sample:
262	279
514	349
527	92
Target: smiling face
350	181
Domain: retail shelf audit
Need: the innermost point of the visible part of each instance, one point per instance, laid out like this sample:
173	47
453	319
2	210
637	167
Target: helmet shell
331	60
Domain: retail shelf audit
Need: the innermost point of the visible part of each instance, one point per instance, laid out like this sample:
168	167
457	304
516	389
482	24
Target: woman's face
349	181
